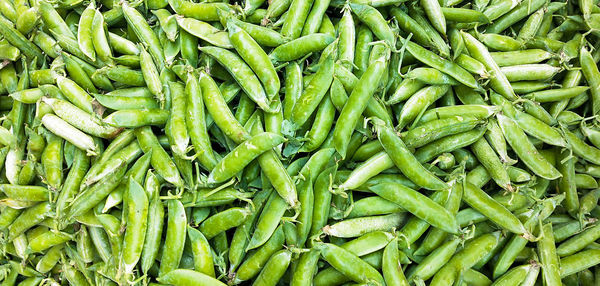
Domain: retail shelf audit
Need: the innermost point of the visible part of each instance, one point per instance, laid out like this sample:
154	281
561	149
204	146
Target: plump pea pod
525	150
242	74
348	264
356	104
224	220
160	161
235	161
63	129
313	93
359	226
375	21
487	157
433	262
175	237
300	47
578	242
405	161
186	277
497	213
155	220
294	21
268	221
137	224
28	219
253	264
256	58
203	260
274	269
419	102
498	80
95	194
391	268
578	262
466	258
448	144
306	268
548	257
143	31
417	204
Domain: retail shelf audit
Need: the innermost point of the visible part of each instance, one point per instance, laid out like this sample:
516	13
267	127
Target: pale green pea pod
69	133
205	32
137	213
81	119
243	75
256	58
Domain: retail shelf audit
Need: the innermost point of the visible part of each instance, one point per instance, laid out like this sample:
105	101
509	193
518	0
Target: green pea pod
313	93
356	104
525	150
186	277
175	237
348	263
256	58
203	260
160	161
144	32
405	161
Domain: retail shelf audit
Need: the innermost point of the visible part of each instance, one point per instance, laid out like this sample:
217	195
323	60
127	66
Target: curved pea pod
28	219
525	150
160	160
243	75
405	161
137	224
417	204
80	119
466	258
300	47
63	129
376	164
434	12
306	268
186	277
28	96
419	102
25	193
143	31
539	129
498	80
256	58
516	14
430	76
205	31
224	220
579	241
488	158
477	111
274	269
92	196
434	261
449	144
580	148
391	267
175	237
348	264
357	103
313	93
579	261
241	156
203	260
358	226
47	240
500	42
497	213
75	94
375	21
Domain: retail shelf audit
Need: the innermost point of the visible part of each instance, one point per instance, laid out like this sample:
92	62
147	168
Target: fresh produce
299	142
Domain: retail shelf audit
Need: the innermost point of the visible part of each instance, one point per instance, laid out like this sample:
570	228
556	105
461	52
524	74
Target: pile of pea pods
299	142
